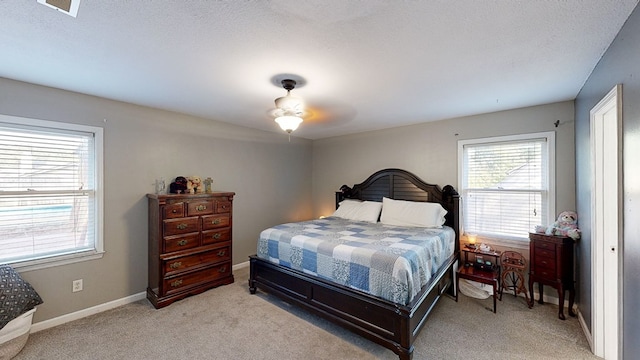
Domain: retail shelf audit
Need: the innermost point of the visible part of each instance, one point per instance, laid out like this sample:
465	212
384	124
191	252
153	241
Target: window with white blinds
506	184
50	196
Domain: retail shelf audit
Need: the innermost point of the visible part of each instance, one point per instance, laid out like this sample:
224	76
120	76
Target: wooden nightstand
482	273
551	263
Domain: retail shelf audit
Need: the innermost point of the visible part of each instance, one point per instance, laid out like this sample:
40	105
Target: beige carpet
229	323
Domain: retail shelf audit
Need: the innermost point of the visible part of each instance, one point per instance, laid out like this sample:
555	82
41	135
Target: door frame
606	225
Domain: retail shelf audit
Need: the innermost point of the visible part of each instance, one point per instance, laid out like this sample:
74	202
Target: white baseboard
585	329
43	325
86	312
240	266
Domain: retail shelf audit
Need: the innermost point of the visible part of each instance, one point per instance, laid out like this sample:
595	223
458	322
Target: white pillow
359	210
412	213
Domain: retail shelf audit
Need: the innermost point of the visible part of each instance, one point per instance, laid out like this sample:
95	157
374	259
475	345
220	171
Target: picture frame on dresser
190	245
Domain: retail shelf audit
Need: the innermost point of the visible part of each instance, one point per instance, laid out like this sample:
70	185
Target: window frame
551	180
97	252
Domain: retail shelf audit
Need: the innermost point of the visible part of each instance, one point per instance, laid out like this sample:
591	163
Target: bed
391	321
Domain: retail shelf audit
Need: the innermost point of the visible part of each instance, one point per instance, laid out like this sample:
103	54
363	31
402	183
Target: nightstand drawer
545	252
543	262
545	245
546	274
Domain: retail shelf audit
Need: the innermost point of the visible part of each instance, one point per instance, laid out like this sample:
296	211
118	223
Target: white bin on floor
14	335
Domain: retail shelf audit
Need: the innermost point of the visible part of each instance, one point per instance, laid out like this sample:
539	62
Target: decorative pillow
16	295
412	213
359	210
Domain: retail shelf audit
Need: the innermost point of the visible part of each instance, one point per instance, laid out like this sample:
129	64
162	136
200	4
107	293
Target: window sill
520	244
44	263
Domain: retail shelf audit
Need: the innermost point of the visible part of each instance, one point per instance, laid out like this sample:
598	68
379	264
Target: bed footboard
390	325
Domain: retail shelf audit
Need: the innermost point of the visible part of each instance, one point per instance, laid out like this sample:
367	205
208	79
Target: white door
606	225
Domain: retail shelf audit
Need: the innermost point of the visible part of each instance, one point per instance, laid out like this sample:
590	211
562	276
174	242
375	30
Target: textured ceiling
364	65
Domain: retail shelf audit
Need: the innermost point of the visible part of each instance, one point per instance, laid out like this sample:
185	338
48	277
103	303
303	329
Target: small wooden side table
489	275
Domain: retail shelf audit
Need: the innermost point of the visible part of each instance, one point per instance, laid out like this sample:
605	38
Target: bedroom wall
619	65
271	178
429	150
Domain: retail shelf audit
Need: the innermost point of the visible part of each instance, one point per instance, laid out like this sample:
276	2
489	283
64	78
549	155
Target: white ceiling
365	65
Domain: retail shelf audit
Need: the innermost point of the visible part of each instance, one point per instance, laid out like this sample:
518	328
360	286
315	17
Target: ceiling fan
289	109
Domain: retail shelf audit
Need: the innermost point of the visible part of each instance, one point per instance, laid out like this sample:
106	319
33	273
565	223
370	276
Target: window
506	184
50	192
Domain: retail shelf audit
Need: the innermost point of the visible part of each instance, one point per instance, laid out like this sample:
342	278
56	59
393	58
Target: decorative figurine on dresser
189	244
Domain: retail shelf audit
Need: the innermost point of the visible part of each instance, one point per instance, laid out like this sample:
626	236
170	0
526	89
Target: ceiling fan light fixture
289	109
289	123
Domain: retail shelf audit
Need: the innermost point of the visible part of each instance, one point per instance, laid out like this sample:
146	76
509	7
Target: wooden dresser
189	244
551	263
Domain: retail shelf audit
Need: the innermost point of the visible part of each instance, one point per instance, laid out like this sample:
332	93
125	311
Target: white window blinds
505	186
47	192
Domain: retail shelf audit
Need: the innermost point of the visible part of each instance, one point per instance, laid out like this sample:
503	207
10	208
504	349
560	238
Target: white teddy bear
566	225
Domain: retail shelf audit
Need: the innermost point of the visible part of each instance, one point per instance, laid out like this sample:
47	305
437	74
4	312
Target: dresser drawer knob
182	226
176	264
222	269
183	242
174	211
216	236
222	252
176	283
216	221
201	208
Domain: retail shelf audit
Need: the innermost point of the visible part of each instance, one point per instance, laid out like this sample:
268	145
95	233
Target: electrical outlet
77	285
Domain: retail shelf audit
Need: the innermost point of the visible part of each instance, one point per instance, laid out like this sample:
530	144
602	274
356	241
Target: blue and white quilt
390	262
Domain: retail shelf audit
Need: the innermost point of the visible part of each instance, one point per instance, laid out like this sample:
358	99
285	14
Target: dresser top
191	196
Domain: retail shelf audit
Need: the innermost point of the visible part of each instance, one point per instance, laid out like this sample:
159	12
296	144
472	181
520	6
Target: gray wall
429	150
619	65
271	178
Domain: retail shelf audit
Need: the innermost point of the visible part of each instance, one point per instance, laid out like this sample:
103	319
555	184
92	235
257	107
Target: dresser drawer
223	207
180	226
184	282
215	221
545	245
197	260
545	252
203	207
214	236
172	211
181	242
543	262
547	274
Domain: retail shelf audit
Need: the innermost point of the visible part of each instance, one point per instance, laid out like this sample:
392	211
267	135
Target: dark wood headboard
402	185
